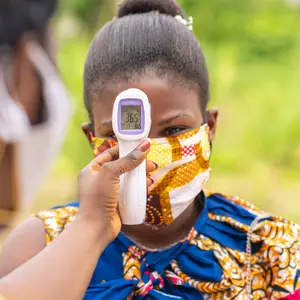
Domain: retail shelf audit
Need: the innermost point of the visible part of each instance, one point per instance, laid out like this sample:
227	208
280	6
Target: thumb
132	159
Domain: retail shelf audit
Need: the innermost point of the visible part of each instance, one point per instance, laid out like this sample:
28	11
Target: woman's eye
173	130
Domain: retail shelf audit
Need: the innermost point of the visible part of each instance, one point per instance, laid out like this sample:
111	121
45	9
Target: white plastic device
131	124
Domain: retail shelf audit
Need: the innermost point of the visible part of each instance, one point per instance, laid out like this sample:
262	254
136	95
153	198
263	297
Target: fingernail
145	145
152	179
156	165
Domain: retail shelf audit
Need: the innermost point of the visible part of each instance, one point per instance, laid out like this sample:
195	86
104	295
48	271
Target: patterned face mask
182	173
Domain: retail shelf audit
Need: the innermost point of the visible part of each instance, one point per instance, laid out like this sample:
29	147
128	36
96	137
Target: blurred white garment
36	146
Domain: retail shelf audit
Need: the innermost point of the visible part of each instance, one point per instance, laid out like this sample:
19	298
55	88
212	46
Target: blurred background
253	53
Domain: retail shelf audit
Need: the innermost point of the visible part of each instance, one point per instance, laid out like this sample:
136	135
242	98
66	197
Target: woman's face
174	109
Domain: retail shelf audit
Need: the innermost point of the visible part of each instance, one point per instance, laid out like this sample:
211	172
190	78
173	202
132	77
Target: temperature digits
131	117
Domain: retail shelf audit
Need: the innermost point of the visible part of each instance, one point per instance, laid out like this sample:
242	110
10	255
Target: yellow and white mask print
183	170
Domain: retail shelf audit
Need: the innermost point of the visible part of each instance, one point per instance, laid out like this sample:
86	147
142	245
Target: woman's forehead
165	98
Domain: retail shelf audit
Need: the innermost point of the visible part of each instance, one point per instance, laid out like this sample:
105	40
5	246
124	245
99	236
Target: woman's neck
153	238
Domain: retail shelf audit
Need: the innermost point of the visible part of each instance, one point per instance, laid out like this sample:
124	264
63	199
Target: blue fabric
115	289
108	282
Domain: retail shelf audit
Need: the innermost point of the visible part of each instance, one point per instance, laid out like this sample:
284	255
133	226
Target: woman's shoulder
32	235
265	245
229	202
240	214
24	242
56	219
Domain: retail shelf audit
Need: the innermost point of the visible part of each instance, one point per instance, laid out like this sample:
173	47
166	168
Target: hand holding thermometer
131	124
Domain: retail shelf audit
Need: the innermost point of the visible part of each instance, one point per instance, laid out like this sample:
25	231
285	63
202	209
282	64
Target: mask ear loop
206	117
89	133
56	100
91	130
40	60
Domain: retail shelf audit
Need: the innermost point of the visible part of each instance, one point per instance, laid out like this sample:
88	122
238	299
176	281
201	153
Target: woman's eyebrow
171	119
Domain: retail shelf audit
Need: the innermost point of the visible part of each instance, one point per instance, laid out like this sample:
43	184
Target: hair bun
168	7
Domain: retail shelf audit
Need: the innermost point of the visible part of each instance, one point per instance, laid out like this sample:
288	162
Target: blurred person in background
34	110
193	245
34	107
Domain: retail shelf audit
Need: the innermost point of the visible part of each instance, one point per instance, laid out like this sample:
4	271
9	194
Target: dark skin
175	110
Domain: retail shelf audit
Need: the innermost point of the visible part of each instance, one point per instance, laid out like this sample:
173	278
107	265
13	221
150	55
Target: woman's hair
18	17
145	37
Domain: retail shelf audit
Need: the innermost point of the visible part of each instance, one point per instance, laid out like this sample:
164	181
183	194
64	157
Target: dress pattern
210	264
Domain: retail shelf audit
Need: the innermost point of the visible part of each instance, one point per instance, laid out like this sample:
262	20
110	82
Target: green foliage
90	13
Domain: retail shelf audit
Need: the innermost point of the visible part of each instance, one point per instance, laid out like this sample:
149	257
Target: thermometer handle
133	189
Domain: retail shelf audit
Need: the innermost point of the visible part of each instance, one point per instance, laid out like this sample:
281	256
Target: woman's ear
212	118
87	130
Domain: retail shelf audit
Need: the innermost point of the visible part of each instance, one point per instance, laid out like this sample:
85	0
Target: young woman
193	245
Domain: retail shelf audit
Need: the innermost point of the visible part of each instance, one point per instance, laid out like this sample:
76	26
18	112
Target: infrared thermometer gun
131	124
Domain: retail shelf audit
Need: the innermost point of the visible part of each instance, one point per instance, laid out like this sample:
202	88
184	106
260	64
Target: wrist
97	230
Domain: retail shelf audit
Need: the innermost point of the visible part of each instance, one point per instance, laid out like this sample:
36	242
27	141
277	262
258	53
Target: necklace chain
249	254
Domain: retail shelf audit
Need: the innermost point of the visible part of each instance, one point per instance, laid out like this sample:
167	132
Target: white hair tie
188	23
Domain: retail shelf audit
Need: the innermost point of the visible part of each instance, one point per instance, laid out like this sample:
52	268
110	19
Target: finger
131	160
151	166
150	181
107	156
150	188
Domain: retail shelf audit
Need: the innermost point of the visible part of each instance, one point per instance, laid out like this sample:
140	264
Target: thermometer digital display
131	117
131	124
